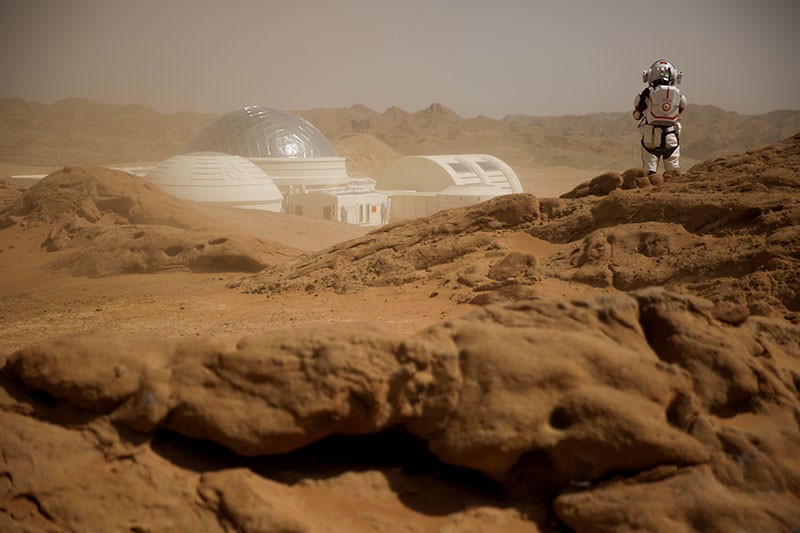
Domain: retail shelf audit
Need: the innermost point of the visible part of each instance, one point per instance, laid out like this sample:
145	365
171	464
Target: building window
461	168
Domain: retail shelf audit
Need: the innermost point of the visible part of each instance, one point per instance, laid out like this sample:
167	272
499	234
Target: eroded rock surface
400	253
594	404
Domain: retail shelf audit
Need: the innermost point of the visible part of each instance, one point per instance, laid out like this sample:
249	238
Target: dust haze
605	350
509	57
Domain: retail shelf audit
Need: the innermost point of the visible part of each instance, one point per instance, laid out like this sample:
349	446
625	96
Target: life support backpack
663	105
660	107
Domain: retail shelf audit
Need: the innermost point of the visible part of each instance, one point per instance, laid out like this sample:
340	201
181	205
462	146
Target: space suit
659	106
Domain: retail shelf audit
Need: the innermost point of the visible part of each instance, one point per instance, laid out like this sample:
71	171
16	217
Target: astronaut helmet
662	72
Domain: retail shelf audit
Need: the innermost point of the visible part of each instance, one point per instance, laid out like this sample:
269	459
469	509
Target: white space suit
660	106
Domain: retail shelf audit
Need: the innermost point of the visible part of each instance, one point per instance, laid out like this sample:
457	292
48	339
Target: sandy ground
38	304
552	182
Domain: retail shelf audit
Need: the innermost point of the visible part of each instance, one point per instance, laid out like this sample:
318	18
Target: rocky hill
77	131
108	222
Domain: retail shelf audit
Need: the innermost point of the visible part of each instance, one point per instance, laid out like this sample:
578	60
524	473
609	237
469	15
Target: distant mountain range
708	131
79	131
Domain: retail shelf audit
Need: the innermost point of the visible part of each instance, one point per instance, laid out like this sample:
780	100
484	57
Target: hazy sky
491	57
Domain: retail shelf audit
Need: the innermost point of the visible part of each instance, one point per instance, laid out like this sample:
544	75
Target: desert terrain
606	352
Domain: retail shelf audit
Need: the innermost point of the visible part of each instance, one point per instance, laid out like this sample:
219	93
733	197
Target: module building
420	185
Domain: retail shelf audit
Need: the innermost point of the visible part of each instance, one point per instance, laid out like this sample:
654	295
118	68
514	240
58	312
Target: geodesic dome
261	132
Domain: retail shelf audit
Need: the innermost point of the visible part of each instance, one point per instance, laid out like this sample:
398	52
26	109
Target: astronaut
659	107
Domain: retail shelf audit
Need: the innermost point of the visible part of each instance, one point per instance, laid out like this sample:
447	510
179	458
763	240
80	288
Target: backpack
663	105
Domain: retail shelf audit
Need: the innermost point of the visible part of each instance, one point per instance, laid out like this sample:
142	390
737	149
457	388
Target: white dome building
288	148
217	178
420	185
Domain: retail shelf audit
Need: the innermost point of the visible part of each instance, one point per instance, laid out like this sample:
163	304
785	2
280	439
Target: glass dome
257	131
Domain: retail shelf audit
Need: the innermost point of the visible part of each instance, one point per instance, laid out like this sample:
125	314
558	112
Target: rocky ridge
727	230
108	222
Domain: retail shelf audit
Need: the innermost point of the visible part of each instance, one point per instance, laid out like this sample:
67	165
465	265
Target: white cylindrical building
434	173
420	185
